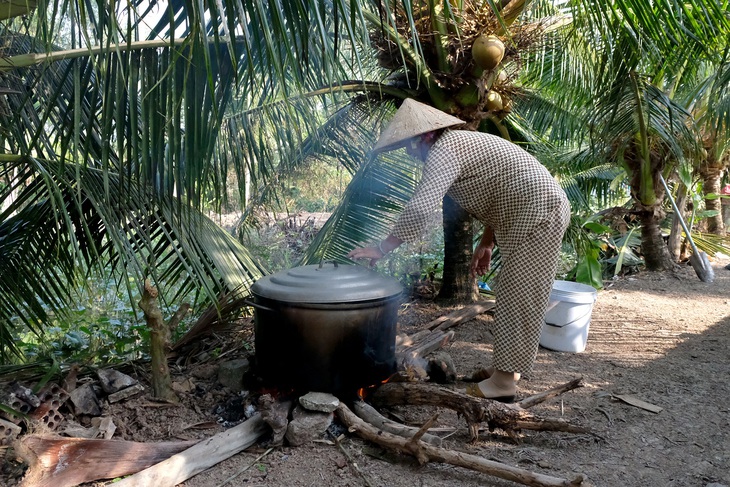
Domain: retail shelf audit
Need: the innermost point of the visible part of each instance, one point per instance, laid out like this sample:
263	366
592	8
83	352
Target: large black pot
326	328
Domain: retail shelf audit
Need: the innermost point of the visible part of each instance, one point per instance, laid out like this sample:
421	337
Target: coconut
494	102
487	51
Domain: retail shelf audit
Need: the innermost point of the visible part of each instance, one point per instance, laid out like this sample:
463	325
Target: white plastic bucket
568	317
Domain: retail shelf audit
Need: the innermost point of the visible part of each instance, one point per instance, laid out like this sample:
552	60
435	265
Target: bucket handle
571	322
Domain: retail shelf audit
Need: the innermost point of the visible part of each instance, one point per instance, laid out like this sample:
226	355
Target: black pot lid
326	283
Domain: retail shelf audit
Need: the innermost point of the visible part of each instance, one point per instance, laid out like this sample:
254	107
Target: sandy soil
662	338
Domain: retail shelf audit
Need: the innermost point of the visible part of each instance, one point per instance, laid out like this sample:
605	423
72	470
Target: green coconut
494	102
487	51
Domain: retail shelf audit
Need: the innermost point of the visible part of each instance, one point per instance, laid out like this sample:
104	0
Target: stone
184	386
75	430
125	393
105	426
319	401
307	426
114	381
84	401
230	374
205	371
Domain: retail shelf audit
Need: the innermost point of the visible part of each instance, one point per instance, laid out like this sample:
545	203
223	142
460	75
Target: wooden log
433	341
459	316
371	416
425	453
65	462
178	468
508	417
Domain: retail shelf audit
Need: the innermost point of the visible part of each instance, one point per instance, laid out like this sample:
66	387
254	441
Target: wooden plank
636	402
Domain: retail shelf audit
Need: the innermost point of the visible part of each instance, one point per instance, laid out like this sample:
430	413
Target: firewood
460	315
508	417
275	413
178	468
428	453
426	345
434	335
370	415
65	462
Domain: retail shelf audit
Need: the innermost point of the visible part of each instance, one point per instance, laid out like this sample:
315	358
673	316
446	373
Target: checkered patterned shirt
497	182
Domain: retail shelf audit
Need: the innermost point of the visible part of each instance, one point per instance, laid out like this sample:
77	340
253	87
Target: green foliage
281	243
316	188
102	328
422	260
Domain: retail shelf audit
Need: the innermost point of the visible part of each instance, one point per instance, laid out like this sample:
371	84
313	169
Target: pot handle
258	306
322	262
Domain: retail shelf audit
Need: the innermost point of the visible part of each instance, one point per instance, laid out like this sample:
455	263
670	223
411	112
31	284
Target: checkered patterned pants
523	291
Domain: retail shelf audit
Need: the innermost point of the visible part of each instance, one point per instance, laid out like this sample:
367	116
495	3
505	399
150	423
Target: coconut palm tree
631	117
708	100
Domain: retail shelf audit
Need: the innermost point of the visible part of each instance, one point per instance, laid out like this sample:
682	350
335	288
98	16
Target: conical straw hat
412	119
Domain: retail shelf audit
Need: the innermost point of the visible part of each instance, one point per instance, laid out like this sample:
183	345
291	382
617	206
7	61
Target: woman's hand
378	252
481	260
372	253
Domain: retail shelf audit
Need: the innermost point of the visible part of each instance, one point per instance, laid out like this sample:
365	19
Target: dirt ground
661	338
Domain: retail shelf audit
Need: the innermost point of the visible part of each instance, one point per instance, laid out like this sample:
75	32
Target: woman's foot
500	386
484	374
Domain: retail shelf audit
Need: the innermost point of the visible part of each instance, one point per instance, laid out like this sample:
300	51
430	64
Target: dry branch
370	415
508	417
178	468
530	401
425	453
65	462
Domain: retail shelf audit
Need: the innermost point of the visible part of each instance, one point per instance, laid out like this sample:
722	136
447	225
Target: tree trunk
711	176
159	344
656	253
457	286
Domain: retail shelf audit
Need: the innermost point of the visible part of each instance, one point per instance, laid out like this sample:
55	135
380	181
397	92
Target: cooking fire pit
326	327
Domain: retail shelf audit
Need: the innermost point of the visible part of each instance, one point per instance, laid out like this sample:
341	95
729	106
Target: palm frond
59	227
369	208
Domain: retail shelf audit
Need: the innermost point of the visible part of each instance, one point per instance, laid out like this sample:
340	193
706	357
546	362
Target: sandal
478	376
474	391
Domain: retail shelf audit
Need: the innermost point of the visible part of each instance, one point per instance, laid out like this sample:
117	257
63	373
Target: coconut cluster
481	61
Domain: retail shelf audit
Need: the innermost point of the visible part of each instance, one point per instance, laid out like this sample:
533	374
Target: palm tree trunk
711	175
457	286
656	253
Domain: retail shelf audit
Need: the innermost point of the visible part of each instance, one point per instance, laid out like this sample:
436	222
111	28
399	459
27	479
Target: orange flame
363	392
